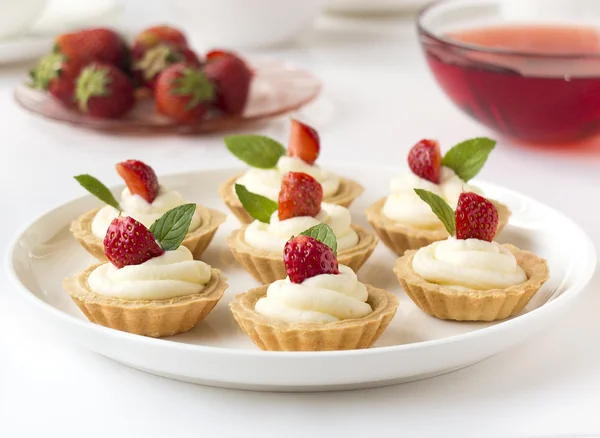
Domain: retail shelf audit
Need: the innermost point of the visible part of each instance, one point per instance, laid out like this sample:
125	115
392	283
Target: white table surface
378	100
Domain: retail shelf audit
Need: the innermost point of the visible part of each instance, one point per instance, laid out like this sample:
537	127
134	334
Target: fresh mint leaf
255	150
323	233
259	207
170	229
441	209
467	158
99	190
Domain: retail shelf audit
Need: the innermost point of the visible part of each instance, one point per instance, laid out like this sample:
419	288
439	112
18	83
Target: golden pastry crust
399	237
154	318
266	267
196	241
473	305
351	334
348	191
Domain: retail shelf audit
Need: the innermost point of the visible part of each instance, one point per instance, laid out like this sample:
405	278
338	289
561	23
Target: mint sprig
258	206
170	229
467	158
441	209
323	233
255	150
99	190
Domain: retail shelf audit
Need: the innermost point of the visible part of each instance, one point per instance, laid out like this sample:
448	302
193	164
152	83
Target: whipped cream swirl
138	208
403	205
170	275
273	236
323	298
468	264
267	182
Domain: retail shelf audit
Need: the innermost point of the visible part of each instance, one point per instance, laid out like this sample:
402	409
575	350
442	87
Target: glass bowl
527	69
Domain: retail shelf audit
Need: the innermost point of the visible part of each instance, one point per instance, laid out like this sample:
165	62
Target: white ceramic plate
217	353
375	6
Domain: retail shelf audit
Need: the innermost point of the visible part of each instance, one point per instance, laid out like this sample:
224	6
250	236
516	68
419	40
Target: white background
378	100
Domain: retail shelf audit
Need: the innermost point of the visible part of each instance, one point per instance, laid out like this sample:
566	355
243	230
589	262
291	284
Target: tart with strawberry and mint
258	246
270	161
144	199
402	220
468	276
319	306
151	285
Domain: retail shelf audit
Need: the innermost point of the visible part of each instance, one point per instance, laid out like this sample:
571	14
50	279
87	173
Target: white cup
17	16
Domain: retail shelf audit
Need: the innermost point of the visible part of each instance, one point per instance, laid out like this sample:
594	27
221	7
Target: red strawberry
104	91
57	75
161	34
304	142
300	195
425	160
100	44
305	257
140	179
211	55
128	242
232	80
148	63
183	93
476	217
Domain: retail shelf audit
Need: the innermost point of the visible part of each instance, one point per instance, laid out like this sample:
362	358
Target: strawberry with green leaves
97	44
56	74
475	216
231	78
149	63
104	91
128	242
161	34
184	93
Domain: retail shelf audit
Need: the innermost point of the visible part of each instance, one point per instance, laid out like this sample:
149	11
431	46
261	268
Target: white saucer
217	353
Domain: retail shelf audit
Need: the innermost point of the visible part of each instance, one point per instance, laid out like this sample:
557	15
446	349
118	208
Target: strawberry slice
231	77
128	242
140	179
305	257
304	142
425	160
476	217
300	195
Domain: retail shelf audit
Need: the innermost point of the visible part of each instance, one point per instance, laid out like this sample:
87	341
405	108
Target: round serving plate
217	353
277	88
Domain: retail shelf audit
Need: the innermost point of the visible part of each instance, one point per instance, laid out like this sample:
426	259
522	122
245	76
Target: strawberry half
476	217
305	257
304	142
104	91
425	160
140	179
232	78
300	195
128	242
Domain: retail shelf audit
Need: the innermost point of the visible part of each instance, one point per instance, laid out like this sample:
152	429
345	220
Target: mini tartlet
259	245
269	161
402	220
149	287
320	306
470	277
145	200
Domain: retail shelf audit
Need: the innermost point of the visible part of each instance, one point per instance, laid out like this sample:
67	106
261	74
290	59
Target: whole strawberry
304	142
140	179
232	79
425	160
300	195
476	217
128	242
305	257
55	74
104	91
148	63
183	93
99	44
160	34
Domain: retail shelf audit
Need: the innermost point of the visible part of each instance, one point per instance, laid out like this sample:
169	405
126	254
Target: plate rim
41	305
